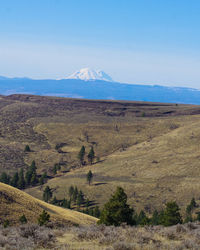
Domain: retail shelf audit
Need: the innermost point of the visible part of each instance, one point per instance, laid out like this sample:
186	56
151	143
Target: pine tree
34	179
155	218
23	219
75	194
91	155
116	210
193	203
171	214
21	182
47	194
87	203
33	167
43	218
80	198
142	219
5	178
64	203
14	180
27	149
97	212
89	177
55	169
81	155
71	191
41	180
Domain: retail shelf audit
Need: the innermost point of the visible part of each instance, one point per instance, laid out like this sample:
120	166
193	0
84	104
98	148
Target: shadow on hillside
100	183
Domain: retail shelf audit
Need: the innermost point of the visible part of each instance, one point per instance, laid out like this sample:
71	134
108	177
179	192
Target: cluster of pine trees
23	180
76	196
82	155
116	211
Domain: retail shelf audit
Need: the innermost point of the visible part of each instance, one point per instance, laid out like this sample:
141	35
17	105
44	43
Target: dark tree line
116	211
23	180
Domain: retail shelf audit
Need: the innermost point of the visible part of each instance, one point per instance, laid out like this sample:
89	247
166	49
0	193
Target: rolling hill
150	149
14	203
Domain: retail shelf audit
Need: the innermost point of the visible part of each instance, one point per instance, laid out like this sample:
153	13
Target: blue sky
135	41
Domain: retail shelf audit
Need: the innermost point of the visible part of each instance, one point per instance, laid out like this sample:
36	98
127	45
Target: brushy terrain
28	237
177	237
150	149
14	203
31	236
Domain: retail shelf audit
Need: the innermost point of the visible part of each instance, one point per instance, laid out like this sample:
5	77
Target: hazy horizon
137	42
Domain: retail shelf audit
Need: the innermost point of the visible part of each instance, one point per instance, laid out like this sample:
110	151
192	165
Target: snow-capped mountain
87	74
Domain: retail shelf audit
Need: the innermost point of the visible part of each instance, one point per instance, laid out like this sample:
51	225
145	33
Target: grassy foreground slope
14	203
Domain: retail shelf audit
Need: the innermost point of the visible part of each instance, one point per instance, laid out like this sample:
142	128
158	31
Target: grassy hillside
150	149
14	203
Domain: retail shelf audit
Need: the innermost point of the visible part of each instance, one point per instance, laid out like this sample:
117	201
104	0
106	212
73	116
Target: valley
150	149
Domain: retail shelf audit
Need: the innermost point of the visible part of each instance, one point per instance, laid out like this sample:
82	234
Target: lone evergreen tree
23	219
47	194
27	149
91	155
89	177
43	218
81	155
171	214
116	210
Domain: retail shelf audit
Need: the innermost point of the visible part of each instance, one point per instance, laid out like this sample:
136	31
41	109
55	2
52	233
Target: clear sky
135	41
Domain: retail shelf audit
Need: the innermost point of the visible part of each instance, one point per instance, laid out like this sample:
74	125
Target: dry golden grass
14	203
155	158
163	165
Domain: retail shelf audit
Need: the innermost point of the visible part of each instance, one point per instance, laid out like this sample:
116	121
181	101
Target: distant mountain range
89	84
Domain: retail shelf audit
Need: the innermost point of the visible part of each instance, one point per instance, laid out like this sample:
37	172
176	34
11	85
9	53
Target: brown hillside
14	203
151	149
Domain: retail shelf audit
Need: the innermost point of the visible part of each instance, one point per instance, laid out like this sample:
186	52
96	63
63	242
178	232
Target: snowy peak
87	74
